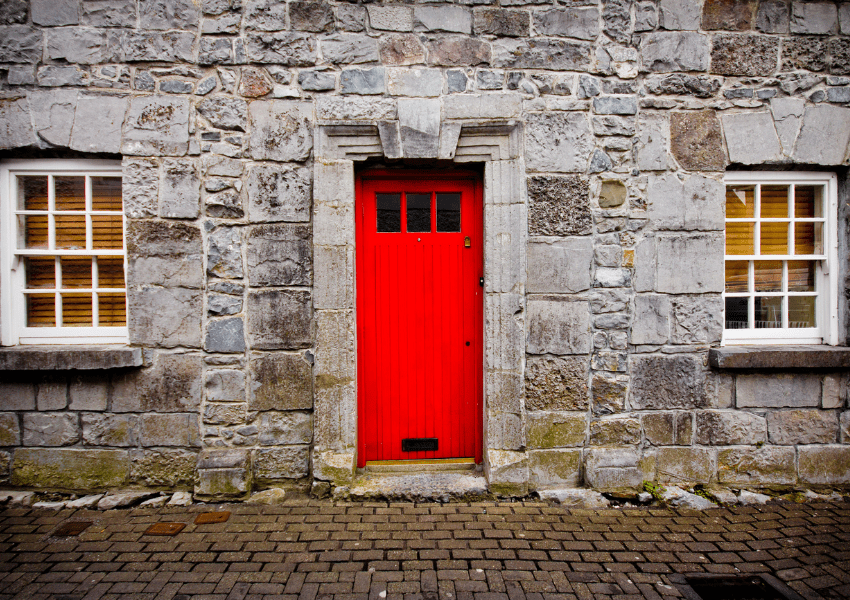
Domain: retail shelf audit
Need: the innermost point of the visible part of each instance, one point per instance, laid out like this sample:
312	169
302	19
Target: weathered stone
501	22
669	51
665	382
729	428
53	115
179	193
454	19
223	473
694	465
346	49
611	125
369	109
652	144
282	428
615	431
50	429
225	112
51	394
13	11
556	383
696	319
507	472
164	253
311	16
108	13
56	76
679	498
279	255
109	430
281	130
772	16
140	187
391	18
541	53
667	428
814	17
556	468
362	81
746	55
224	252
69	469
599	162
561	266
559	206
170	46
221	305
687	264
53	13
701	86
505	431
280	382
400	50
766	465
283	49
214	51
20	44
581	23
804	53
156	125
612	193
168	14
778	390
416	82
225	385
820	121
265	15
608	394
557	327
16	129
271	497
291	462
792	427
839	51
558	142
97	124
350	17
168	429
225	335
613	468
751	138
677	15
82	46
696	140
587	87
616	20
10	431
823	464
278	193
731	15
173	384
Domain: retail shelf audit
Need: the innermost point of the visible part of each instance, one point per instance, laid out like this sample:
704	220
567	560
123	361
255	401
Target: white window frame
826	277
12	282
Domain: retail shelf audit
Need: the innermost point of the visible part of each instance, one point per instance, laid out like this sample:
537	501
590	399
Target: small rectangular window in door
389	213
448	212
418	212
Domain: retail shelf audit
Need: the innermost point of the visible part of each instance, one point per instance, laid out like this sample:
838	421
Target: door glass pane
76	272
112	310
41	310
448	212
107	231
76	310
389	212
418	212
33	230
774	238
739	238
71	231
32	192
110	272
808	238
106	193
807	201
801	276
740	201
768	312
40	272
768	275
70	193
737	276
801	311
774	201
737	313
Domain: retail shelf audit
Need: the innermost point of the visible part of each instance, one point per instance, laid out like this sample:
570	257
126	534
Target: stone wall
240	126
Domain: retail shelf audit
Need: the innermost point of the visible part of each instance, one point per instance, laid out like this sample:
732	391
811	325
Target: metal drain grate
165	529
703	586
212	517
72	528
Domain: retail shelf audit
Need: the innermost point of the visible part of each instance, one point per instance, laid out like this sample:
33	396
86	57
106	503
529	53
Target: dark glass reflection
418	212
737	313
389	213
448	212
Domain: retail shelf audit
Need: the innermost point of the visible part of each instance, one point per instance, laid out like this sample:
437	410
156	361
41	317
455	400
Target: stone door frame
338	145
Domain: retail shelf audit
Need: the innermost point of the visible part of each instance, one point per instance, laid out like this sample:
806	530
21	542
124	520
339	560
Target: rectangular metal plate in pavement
212	517
419	444
72	528
165	529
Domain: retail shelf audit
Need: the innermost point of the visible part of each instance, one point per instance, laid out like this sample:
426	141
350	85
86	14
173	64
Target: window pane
774	201
112	310
76	272
448	212
389	212
76	310
768	275
70	193
107	231
740	201
739	238
110	272
737	279
40	272
41	310
768	312
34	231
807	201
737	313
801	311
418	212
801	275
774	238
32	192
106	193
808	238
71	232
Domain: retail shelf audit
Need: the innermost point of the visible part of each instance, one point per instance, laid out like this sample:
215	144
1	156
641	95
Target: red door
419	315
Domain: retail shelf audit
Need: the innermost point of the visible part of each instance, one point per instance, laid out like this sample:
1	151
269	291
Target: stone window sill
779	357
67	358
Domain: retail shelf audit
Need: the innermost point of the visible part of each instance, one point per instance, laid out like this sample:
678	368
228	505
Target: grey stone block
689	263
18	393
173	429
311	16
581	23
333	285
17	131
179	190
558	142
279	255
651	322
279	319
109	430
504	391
55	76
559	206
79	45
693	465
615	105
608	394
561	266
20	44
612	468
53	115
156	125
778	390
819	121
50	429
454	19
669	51
730	428
265	15
284	49
317	81
505	431
646	16
356	109
697	203
285	428
558	327
414	82
556	429
347	49
88	392
505	330
554	468
751	138
225	335
274	464
168	468
108	13
615	431
279	193
824	464
391	18
806	426
333	215
70	469
653	143
419	127
97	124
756	466
696	319
52	393
543	53
140	187
165	317
225	414
772	16
54	13
14	11
221	305
164	253
224	252
225	385
224	112
665	382
678	15
172	384
281	130
168	14
362	81
814	17
145	46
10	430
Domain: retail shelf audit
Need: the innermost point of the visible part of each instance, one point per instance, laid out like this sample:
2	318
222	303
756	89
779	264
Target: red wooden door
419	315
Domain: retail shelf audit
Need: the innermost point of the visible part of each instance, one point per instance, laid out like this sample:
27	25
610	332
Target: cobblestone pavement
307	549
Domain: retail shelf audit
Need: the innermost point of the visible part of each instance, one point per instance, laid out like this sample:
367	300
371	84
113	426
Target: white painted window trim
826	283
12	306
